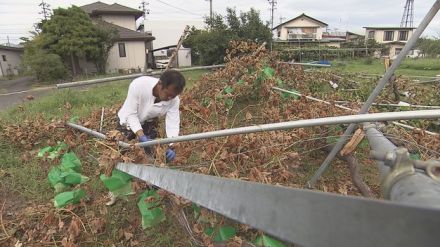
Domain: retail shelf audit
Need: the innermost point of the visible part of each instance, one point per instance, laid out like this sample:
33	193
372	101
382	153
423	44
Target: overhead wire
184	10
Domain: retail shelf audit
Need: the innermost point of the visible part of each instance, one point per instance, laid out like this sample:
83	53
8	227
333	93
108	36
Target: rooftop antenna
408	14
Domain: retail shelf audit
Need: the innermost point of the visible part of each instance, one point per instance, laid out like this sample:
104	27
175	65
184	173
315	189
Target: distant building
301	28
394	37
10	60
130	52
349	36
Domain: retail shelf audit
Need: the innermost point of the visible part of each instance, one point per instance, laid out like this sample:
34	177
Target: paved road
18	85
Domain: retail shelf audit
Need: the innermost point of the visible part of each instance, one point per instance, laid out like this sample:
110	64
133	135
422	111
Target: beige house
300	28
10	60
394	37
130	52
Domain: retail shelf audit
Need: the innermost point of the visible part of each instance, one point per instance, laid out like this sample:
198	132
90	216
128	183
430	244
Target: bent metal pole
366	107
125	77
349	109
375	117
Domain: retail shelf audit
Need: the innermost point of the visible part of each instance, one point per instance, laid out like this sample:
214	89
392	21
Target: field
239	95
410	67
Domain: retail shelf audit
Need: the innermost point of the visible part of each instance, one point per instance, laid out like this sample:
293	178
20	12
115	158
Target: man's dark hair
173	77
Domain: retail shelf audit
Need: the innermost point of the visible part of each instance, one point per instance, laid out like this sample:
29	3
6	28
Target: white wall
168	32
135	56
13	61
184	57
121	20
301	22
379	35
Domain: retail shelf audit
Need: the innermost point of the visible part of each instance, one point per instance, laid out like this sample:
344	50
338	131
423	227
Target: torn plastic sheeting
70	197
52	152
70	177
70	161
266	241
149	206
117	181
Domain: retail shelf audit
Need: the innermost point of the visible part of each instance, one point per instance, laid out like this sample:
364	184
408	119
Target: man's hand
170	154
144	138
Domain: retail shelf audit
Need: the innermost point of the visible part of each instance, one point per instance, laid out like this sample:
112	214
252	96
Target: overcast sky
18	16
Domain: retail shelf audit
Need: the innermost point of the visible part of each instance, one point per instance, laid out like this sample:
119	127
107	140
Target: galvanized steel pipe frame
384	80
117	78
349	109
384	116
375	117
417	189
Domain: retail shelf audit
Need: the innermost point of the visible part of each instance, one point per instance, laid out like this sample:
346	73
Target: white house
394	37
129	54
10	60
302	28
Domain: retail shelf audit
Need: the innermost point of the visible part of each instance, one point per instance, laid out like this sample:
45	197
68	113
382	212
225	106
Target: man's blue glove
144	138
171	154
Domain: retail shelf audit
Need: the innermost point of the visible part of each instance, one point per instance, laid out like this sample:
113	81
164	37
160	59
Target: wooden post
179	44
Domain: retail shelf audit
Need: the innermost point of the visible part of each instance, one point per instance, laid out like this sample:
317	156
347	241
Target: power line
184	10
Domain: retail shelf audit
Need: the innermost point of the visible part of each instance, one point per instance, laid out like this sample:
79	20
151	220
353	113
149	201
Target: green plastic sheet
70	197
266	241
149	206
221	234
52	152
70	162
66	174
117	180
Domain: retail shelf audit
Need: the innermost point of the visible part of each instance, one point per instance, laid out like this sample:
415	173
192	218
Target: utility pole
44	9
9	44
210	8
144	8
272	9
282	19
145	11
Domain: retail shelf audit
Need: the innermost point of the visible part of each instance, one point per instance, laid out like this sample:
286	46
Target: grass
410	67
25	180
83	100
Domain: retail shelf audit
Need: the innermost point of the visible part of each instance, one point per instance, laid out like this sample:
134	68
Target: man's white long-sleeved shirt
139	107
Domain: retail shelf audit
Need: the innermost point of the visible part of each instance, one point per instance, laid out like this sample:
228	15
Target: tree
429	46
67	36
44	65
209	46
99	53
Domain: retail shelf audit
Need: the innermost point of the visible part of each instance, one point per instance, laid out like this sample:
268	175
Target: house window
388	36
279	34
371	34
403	35
122	50
4	58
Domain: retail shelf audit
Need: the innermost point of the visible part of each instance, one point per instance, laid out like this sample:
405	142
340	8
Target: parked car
162	63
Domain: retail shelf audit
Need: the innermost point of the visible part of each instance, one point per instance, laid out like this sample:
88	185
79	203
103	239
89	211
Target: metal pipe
397	105
417	189
309	64
349	109
117	78
384	116
366	107
95	133
313	98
